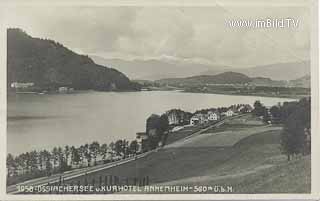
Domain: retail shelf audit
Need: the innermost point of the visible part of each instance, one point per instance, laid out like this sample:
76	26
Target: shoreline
176	90
78	172
257	95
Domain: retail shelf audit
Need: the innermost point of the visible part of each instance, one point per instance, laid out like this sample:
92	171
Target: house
173	118
213	116
198	118
194	120
178	117
229	113
63	89
244	108
21	85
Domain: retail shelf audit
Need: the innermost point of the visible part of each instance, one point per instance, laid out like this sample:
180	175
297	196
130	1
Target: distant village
30	87
179	119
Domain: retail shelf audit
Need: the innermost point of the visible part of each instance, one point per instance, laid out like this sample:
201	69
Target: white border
7	4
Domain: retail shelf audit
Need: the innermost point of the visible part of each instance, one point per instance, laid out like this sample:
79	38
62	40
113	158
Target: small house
229	113
21	85
213	116
194	120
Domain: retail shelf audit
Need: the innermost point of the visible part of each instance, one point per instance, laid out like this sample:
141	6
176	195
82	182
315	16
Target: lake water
44	121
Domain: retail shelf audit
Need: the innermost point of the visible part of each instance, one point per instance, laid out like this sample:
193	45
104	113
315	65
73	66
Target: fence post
111	180
79	183
106	180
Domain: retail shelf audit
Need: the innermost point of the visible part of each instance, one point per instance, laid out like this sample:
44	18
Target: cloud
187	34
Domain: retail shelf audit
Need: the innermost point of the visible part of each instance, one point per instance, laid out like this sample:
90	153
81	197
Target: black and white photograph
159	99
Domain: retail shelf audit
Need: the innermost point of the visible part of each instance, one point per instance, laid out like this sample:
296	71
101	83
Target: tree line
295	117
44	163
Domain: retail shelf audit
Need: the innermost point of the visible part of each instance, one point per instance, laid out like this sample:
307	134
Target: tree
94	150
292	136
75	156
87	154
21	162
119	148
266	115
112	150
27	159
42	159
67	152
163	124
287	109
152	123
82	151
61	159
55	156
33	160
133	148
275	114
11	165
259	109
47	158
125	148
295	137
103	151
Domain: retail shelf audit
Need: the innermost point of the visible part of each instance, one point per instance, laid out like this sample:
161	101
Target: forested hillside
49	65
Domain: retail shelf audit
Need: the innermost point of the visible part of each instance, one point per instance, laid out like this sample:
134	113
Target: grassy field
185	132
249	160
226	138
243	122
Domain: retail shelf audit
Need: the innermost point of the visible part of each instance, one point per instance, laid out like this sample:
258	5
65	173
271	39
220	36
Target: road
80	172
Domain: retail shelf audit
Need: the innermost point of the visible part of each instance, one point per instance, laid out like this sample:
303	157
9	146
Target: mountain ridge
157	69
230	77
48	64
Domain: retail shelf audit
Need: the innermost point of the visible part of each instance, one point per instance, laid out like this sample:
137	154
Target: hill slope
235	78
153	69
277	71
162	69
222	78
49	65
304	81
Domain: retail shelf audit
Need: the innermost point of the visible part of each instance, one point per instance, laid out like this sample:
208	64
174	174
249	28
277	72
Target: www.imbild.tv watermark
264	23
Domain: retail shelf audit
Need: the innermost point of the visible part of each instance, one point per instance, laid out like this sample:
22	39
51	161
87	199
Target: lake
44	121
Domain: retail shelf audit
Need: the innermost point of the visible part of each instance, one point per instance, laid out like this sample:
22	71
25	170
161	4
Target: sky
172	33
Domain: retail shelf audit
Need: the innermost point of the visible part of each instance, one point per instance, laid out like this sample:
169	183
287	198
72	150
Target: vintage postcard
148	100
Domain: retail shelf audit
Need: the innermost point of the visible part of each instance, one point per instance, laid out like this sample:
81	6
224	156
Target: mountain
262	81
48	64
222	78
159	69
155	69
278	71
304	82
234	78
